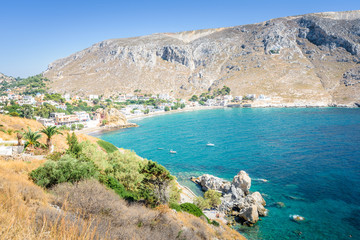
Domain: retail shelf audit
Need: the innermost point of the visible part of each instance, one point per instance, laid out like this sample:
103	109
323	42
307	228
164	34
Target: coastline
99	129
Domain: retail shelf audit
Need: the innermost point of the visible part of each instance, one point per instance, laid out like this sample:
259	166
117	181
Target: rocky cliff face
312	58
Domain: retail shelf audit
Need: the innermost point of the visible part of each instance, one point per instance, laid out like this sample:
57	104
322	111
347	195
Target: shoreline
100	129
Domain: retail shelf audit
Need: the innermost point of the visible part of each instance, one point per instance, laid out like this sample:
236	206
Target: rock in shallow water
236	197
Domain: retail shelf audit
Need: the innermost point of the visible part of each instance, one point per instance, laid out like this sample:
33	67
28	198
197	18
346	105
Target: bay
310	157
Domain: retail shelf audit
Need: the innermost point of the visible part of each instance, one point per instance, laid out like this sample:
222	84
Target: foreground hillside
90	190
311	59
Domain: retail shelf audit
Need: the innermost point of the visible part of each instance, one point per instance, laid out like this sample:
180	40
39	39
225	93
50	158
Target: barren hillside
313	58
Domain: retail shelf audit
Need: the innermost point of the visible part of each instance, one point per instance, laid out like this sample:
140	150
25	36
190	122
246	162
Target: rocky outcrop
113	118
298	60
236	196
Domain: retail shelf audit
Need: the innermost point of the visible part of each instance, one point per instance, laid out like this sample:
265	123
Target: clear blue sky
34	33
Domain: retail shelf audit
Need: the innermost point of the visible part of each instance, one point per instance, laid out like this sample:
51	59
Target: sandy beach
99	129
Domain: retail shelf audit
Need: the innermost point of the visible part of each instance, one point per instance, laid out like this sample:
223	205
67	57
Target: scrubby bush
114	184
126	167
213	197
91	152
175	206
201	203
108	147
74	146
67	169
192	209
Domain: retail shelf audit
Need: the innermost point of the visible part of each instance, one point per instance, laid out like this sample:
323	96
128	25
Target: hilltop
310	59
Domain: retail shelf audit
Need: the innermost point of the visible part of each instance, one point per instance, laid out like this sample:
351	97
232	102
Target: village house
30	100
92	97
47	121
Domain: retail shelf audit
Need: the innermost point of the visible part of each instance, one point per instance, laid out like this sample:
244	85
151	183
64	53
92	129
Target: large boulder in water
236	196
211	182
242	181
260	203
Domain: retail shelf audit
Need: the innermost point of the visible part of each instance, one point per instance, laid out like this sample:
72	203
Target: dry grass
119	220
21	204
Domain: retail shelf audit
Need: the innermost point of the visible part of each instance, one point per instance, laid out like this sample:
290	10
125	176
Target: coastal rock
242	181
236	198
260	203
113	118
249	214
211	182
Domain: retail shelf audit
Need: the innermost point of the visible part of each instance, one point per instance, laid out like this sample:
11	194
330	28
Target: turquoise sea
310	157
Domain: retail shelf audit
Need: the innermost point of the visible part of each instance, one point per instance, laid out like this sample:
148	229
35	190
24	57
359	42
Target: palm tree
50	131
32	138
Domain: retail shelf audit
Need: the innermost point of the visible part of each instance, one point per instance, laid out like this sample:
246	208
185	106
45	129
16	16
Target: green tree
27	111
194	98
74	146
201	203
146	111
167	109
32	138
157	178
50	131
213	197
73	127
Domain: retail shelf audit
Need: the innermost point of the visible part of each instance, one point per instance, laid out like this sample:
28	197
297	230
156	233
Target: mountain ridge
309	59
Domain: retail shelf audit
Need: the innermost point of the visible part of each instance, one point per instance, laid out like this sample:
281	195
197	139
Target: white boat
296	218
160	148
172	152
210	145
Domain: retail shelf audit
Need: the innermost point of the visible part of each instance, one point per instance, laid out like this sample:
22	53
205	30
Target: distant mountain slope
4	78
309	58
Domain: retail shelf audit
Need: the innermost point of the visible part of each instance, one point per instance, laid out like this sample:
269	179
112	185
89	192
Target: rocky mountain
311	59
4	78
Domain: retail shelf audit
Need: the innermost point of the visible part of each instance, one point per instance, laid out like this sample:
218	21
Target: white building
67	97
83	116
238	98
164	96
27	100
92	97
47	121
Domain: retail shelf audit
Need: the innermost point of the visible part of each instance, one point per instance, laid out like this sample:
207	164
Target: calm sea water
310	157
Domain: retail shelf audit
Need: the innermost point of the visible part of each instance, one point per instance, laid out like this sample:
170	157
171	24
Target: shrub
215	223
192	209
73	127
55	156
119	189
175	206
91	152
74	146
213	197
108	147
67	169
126	167
201	203
167	109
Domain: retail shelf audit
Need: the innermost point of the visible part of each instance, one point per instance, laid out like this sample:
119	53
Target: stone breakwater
236	200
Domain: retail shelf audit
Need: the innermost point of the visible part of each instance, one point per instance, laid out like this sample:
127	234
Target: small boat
160	148
296	218
210	145
172	152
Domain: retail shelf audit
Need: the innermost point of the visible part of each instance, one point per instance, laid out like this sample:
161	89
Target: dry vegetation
87	210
